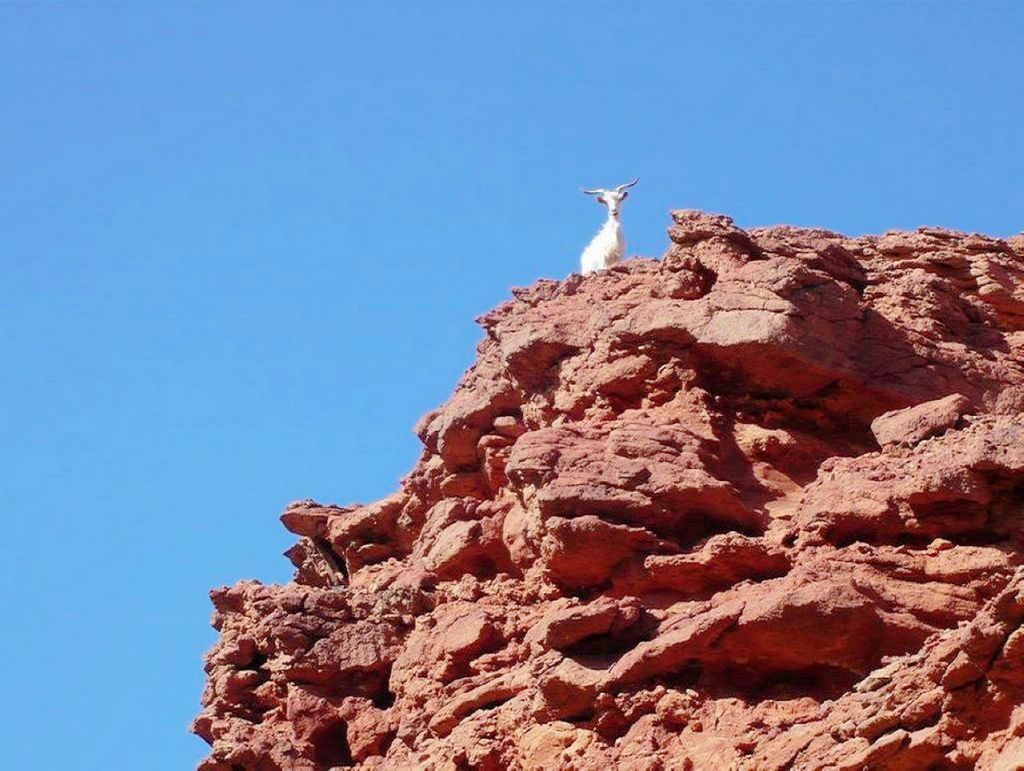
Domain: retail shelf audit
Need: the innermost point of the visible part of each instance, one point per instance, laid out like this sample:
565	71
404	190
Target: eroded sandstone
756	505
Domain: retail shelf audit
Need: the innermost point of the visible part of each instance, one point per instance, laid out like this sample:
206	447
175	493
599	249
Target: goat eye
625	195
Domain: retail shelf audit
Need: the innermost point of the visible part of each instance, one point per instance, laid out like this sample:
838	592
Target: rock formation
756	505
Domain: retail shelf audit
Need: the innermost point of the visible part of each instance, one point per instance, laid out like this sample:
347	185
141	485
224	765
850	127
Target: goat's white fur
609	245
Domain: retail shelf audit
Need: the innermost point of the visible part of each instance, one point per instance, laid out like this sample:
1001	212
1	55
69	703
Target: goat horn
591	192
620	188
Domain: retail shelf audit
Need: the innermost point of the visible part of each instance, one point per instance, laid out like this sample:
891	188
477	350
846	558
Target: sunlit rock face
758	504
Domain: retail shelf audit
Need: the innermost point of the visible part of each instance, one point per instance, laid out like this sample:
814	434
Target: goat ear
600	199
625	194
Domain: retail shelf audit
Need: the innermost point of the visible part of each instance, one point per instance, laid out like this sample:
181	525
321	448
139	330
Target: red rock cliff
756	505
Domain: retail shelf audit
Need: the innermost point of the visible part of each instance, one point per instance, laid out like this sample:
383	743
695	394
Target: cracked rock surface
756	505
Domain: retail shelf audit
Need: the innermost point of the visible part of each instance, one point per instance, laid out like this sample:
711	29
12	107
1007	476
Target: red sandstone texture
756	505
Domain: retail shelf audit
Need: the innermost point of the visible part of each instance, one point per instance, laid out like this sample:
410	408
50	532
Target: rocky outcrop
756	505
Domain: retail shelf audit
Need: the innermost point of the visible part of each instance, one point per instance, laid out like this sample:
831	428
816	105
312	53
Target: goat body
606	249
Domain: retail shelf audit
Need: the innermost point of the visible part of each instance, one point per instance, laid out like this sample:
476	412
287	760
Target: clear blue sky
242	246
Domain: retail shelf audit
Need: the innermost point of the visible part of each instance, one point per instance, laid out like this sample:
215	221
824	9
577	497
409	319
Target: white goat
609	245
